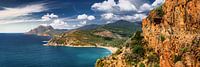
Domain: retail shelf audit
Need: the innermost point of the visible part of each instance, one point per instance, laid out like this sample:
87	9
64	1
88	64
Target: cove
20	50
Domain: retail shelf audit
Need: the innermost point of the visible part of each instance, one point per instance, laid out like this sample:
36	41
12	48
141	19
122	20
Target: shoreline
111	49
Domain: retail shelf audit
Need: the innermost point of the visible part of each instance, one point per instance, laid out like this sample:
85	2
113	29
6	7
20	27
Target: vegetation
118	52
136	52
162	37
141	51
177	58
120	31
184	49
138	49
124	28
160	11
142	65
156	65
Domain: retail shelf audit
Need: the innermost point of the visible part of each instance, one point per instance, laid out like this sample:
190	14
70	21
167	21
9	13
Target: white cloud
139	17
48	17
21	11
91	17
145	7
133	18
108	16
125	9
112	6
20	14
113	17
85	17
83	22
82	17
126	5
55	21
158	3
59	24
66	23
106	6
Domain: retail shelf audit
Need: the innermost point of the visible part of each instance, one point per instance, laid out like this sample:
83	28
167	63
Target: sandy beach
111	49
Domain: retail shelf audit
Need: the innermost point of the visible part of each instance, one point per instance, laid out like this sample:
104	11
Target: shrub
138	36
156	65
162	38
138	49
153	58
159	11
177	58
60	41
118	52
142	65
184	49
108	38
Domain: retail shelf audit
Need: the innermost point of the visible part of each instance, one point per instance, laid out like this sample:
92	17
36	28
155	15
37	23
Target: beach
111	49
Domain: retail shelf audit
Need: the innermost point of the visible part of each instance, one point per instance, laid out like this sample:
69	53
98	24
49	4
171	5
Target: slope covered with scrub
171	38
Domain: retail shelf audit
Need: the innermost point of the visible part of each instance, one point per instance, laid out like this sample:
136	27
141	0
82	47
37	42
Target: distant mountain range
117	27
111	34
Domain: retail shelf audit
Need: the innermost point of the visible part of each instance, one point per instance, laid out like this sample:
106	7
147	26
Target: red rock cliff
173	30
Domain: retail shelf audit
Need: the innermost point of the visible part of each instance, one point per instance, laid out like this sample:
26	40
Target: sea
22	50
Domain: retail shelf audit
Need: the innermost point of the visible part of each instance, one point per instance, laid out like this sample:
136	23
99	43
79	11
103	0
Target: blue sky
17	16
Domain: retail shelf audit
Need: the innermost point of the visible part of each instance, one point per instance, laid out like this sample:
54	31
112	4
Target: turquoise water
19	50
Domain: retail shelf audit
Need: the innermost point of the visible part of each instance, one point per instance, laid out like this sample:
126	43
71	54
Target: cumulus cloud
55	21
48	17
125	9
107	16
126	5
145	7
81	17
66	23
106	6
112	6
85	17
91	17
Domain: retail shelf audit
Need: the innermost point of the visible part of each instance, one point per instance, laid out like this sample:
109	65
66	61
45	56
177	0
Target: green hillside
112	34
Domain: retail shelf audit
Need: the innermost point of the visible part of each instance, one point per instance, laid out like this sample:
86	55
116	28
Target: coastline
111	49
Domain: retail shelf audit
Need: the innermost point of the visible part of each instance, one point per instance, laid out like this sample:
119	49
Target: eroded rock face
174	32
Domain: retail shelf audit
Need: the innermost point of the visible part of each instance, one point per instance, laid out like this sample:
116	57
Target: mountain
89	27
46	31
122	27
93	35
170	37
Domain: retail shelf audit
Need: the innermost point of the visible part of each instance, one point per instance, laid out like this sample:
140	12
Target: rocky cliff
173	30
172	36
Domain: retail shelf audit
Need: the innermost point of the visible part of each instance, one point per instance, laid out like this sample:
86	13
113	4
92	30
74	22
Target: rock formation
173	30
172	33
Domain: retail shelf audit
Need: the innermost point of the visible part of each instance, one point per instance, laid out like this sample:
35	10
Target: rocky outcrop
173	30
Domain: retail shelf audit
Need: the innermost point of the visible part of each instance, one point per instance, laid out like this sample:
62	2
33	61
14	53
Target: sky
19	16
